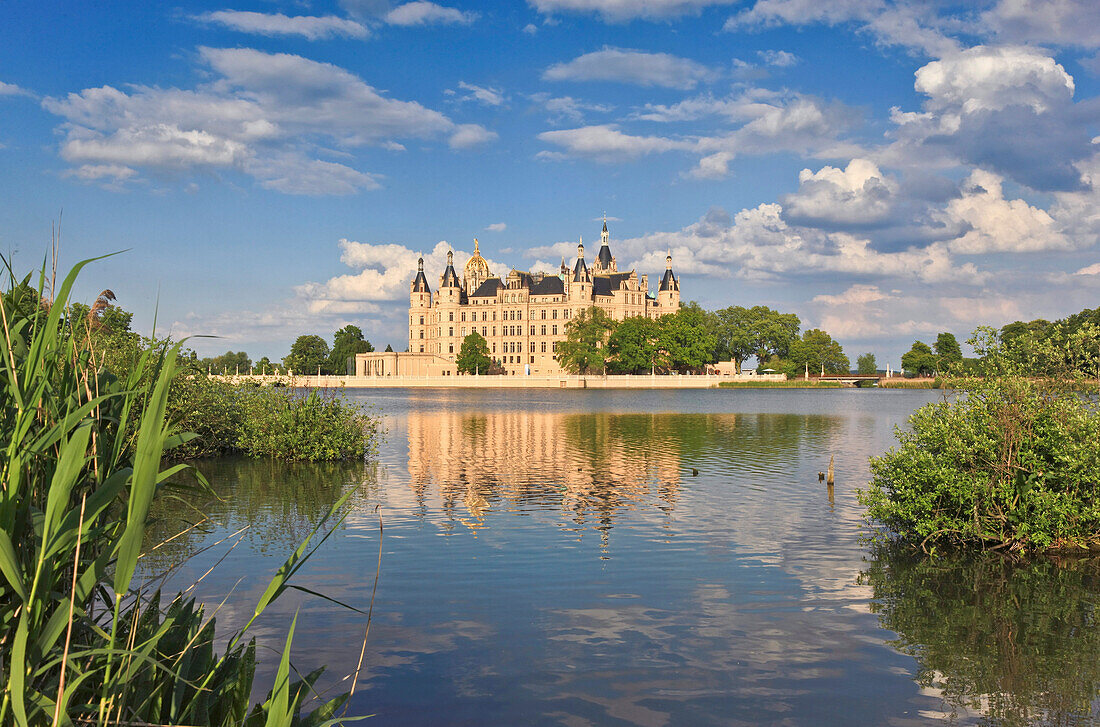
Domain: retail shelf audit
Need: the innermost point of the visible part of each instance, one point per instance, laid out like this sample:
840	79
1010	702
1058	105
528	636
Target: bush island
1007	462
313	426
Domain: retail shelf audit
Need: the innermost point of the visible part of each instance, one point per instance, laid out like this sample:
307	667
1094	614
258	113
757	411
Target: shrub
1007	463
313	426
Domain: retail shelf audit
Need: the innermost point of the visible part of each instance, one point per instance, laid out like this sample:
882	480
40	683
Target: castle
523	316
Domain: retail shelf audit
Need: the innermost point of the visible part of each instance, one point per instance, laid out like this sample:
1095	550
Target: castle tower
668	295
420	303
605	262
581	285
447	302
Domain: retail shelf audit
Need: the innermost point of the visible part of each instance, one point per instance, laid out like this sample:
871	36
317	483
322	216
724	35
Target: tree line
683	342
309	354
1067	346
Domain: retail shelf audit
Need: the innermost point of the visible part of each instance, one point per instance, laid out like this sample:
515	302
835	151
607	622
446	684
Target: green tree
633	346
264	366
228	363
816	350
866	364
347	342
733	332
948	352
919	361
473	356
758	331
307	355
389	348
684	339
584	350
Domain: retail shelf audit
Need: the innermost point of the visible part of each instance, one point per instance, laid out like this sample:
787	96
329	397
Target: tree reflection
1016	642
278	502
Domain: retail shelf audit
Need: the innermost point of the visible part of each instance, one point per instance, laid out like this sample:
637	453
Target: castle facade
523	315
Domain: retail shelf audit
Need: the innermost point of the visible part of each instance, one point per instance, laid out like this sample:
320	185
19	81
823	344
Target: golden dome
476	271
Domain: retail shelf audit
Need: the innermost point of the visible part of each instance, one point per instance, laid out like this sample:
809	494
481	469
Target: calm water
550	558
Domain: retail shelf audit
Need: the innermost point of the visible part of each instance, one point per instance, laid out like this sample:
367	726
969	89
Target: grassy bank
788	384
901	383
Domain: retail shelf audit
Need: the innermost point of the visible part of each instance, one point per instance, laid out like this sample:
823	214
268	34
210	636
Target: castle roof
450	278
668	281
580	271
604	256
488	289
420	282
608	284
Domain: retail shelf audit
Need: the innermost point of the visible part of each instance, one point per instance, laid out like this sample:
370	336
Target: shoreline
548	382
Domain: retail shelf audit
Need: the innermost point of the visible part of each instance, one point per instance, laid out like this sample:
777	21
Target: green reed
80	642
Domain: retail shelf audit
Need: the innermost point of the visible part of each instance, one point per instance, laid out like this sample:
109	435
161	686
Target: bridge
856	379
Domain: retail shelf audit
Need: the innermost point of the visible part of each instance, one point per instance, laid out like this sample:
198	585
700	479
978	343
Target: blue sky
885	170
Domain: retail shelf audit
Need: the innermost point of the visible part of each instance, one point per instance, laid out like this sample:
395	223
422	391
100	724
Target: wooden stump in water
829	481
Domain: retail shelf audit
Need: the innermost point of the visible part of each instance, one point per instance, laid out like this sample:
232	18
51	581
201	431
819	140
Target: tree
228	363
633	346
347	342
307	355
584	349
818	351
389	348
264	366
758	331
866	365
733	332
684	339
473	356
948	353
920	361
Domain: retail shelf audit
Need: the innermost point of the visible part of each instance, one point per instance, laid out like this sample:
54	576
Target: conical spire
668	280
420	282
450	278
580	270
604	259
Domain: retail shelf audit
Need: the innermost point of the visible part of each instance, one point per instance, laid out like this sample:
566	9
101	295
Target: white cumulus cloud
617	11
606	143
422	12
992	223
307	26
623	65
261	115
859	194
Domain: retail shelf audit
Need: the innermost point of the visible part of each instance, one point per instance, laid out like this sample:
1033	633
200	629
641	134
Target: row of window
512	347
504	331
509	315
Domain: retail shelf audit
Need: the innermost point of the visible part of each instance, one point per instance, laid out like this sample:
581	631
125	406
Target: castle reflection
591	467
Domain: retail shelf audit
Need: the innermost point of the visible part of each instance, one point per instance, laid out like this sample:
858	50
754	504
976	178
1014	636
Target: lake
649	558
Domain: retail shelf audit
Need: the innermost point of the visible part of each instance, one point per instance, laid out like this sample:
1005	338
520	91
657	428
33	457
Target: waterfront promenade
671	381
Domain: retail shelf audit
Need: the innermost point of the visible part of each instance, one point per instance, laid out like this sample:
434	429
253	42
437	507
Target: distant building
523	315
